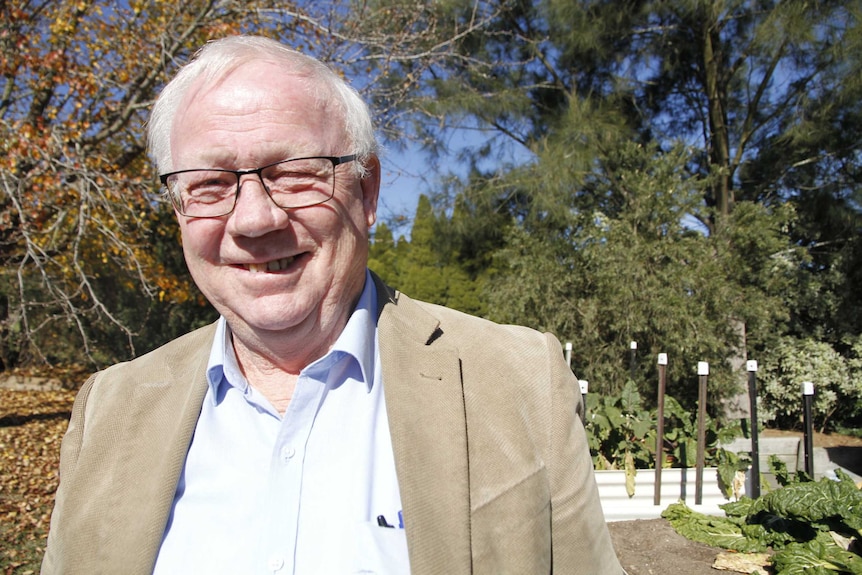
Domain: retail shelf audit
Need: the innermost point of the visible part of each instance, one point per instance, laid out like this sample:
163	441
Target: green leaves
797	521
713	531
621	432
836	376
834	504
619	427
817	557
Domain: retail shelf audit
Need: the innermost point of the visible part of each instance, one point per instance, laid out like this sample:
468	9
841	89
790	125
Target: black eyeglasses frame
175	200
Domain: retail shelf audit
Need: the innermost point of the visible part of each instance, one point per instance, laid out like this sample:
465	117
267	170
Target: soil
652	547
827	440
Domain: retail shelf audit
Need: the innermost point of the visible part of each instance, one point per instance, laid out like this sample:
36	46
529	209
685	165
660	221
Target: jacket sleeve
121	458
69	451
580	539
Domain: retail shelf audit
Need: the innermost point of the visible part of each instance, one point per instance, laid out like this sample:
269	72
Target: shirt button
275	563
287	454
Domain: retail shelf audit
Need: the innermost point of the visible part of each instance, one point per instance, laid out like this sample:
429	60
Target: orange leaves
32	424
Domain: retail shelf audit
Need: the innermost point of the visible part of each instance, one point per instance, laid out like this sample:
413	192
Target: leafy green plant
622	435
837	392
619	429
804	522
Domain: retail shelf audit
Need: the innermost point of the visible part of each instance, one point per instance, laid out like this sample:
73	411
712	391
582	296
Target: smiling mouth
273	266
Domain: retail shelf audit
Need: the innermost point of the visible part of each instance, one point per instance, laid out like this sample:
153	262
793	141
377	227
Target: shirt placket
284	500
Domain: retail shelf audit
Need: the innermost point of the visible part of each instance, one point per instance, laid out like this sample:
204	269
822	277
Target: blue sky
405	175
409	172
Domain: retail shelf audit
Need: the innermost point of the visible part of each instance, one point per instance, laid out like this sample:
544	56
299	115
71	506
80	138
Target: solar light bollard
751	366
585	387
808	425
703	376
659	437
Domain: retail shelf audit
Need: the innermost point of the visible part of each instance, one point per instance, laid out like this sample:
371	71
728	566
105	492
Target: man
326	423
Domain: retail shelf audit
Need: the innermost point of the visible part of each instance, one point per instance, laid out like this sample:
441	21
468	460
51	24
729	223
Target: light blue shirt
294	495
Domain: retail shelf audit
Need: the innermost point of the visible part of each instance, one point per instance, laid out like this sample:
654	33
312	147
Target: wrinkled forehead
271	79
261	98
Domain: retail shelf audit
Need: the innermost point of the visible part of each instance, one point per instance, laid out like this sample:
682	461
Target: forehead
259	112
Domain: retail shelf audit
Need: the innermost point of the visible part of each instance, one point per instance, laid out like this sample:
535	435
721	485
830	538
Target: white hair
219	58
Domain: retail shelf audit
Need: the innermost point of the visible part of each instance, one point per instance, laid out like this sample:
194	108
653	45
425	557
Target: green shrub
837	383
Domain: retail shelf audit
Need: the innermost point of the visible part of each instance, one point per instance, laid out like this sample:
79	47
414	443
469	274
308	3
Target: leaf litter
32	425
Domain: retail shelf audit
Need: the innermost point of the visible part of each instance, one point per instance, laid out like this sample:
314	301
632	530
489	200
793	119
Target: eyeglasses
291	184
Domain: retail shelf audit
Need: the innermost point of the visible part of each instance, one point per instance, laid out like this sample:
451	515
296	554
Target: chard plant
622	436
812	528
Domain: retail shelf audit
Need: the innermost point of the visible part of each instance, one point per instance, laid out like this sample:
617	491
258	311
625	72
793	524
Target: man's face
272	272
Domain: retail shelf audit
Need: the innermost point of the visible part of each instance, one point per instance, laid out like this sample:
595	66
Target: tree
89	256
77	195
602	278
763	97
382	256
766	93
792	361
426	267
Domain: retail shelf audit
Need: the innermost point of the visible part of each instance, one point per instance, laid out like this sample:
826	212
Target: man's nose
255	213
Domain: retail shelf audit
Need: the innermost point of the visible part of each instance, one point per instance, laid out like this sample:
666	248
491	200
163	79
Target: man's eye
212	183
295	180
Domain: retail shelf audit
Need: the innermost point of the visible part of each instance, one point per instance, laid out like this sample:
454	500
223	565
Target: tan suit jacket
492	459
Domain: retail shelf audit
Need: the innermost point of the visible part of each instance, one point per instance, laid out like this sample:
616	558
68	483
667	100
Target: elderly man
326	423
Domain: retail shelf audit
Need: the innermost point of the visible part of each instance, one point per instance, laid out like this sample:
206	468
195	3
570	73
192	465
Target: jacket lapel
425	405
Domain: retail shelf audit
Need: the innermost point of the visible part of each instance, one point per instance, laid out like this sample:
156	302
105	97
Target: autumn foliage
90	270
87	249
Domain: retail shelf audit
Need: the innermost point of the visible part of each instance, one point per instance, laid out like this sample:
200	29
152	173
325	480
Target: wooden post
569	354
808	425
751	365
703	375
659	436
633	351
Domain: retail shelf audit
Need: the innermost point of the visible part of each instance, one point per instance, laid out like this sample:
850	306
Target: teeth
273	266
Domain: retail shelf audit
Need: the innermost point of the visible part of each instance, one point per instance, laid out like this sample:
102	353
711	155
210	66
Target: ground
652	547
33	418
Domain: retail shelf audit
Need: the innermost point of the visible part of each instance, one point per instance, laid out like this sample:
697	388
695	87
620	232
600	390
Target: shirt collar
358	340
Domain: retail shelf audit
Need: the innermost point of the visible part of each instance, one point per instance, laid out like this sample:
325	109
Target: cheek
332	224
199	242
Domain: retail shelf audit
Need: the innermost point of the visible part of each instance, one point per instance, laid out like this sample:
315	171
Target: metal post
807	399
633	351
703	375
569	354
751	365
659	436
755	448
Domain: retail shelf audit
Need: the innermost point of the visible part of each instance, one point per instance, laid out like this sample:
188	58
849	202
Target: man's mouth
273	266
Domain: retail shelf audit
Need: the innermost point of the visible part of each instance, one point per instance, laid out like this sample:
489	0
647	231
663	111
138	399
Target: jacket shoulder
175	353
475	334
179	360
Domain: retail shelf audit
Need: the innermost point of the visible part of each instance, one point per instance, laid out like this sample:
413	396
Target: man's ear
370	186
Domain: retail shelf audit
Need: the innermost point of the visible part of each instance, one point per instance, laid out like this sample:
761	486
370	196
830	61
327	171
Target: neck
271	361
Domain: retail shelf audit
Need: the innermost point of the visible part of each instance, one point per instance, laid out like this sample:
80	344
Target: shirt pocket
380	550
